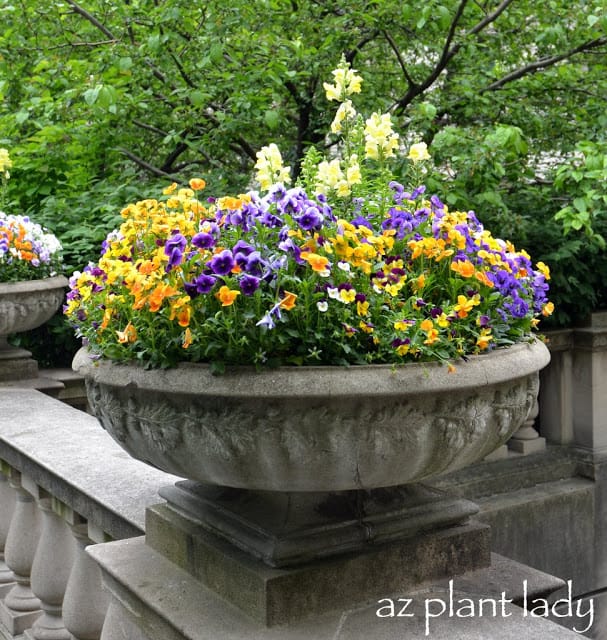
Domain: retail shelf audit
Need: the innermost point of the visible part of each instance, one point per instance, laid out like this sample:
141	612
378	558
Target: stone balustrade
64	485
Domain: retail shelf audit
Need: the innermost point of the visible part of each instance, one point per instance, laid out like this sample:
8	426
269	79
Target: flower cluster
347	266
27	250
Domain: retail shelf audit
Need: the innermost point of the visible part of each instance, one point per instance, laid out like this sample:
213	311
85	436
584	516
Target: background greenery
104	101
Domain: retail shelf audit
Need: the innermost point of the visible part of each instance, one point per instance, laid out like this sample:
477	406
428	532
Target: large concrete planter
28	304
315	428
315	472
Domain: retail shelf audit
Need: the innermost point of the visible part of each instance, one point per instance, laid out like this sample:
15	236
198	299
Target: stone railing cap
67	453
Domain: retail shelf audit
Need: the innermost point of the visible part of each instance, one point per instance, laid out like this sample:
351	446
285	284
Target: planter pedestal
309	554
284	529
15	364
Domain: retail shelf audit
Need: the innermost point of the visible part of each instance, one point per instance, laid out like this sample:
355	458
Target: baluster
86	602
21	607
527	440
7	506
50	572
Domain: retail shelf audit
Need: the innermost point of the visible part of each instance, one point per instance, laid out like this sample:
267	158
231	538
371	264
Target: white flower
322	306
329	175
345	112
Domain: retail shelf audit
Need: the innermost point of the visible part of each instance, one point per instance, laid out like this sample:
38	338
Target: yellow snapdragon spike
418	152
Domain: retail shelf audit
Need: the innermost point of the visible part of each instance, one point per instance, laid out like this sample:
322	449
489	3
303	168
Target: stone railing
64	484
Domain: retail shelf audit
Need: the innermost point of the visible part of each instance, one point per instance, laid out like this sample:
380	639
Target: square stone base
527	447
16	622
274	596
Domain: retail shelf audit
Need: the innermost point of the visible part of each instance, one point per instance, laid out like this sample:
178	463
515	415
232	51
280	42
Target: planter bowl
28	304
315	428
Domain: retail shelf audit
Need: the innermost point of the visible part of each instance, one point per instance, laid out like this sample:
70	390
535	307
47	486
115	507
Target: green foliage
582	181
101	100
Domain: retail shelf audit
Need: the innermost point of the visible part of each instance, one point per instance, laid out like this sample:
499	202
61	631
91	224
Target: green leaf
272	119
197	98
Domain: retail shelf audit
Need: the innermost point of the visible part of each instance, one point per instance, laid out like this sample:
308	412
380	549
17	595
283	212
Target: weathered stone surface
154	600
550	527
316	428
274	596
288	528
26	305
17	368
66	452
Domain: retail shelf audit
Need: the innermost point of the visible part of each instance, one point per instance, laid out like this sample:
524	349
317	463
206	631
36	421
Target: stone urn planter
286	463
24	306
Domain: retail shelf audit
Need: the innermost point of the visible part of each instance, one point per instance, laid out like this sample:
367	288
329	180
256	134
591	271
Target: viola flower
203	240
465	305
288	302
310	219
200	285
319	263
174	248
227	296
129	334
197	184
249	284
187	339
28	251
484	340
222	263
517	308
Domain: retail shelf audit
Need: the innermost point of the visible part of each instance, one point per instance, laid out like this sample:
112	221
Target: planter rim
492	368
27	286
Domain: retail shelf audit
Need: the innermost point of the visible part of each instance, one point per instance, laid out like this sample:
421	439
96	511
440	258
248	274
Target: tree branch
449	51
357	48
91	18
149	127
399	58
542	63
147	166
100	43
447	54
492	17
